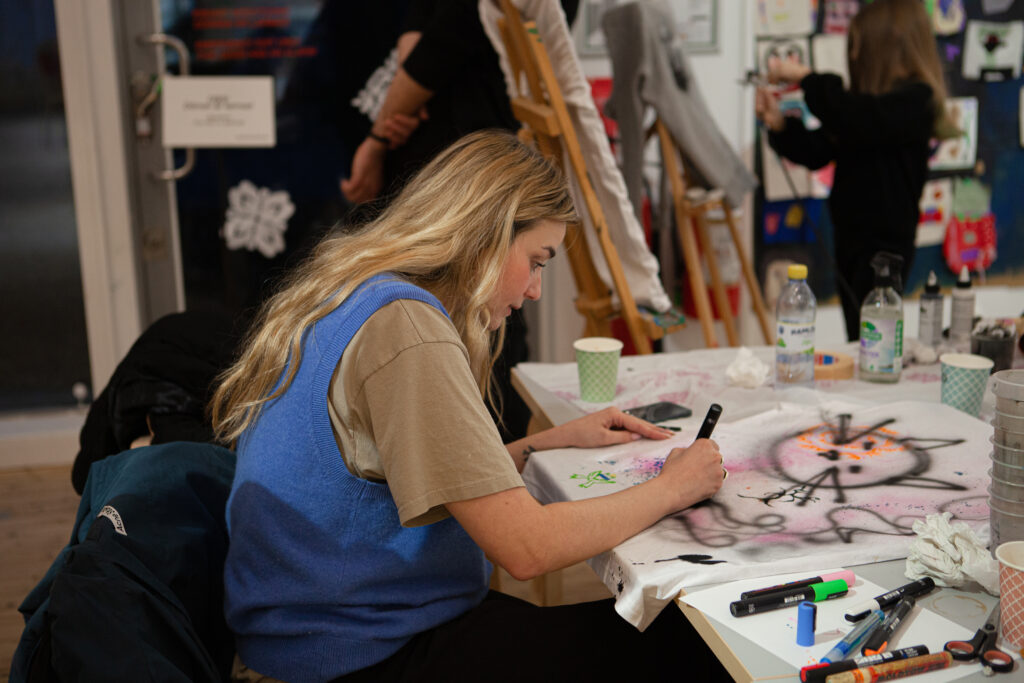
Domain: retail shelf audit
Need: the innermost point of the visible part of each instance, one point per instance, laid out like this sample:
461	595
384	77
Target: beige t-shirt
405	409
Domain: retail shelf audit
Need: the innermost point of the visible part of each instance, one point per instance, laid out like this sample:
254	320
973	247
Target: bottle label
795	338
881	346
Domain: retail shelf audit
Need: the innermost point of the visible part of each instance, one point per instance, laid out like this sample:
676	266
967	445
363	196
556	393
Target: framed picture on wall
589	37
696	23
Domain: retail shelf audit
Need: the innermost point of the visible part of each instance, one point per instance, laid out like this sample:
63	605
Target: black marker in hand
710	420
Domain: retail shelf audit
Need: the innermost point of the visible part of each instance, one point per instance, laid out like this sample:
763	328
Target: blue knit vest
321	579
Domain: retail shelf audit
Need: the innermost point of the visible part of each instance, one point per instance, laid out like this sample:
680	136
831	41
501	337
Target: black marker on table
710	420
887	600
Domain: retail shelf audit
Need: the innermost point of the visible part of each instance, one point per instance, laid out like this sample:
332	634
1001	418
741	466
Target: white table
697	379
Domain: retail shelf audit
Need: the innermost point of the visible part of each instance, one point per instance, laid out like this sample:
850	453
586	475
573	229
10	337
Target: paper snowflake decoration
257	219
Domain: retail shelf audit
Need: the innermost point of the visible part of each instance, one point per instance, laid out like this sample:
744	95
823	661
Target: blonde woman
371	479
878	132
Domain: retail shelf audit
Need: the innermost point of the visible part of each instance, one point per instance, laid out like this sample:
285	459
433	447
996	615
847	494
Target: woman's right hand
766	107
694	473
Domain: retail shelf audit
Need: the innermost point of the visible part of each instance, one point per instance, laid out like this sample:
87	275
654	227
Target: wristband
379	138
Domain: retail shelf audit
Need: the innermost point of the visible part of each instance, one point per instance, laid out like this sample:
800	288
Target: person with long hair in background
372	483
879	132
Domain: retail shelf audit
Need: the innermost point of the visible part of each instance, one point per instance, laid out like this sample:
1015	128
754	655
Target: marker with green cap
816	592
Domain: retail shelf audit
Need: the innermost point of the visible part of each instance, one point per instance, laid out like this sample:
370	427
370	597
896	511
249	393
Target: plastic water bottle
794	324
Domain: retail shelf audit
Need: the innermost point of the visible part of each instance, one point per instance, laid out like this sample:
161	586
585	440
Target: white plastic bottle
962	319
881	324
794	317
929	331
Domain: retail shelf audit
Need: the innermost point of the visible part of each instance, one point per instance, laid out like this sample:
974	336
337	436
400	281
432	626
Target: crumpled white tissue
747	370
952	554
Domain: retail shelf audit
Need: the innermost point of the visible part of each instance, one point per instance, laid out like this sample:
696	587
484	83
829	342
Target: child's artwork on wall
948	16
828	53
839	484
971	234
782	17
959	152
838	14
993	50
794	49
936	208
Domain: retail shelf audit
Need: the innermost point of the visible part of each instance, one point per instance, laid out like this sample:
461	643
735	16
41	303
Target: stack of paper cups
1006	495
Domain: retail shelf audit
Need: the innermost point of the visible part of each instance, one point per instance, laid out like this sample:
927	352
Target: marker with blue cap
806	623
854	638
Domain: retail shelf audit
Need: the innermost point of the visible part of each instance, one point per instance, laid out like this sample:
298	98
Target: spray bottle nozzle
888	269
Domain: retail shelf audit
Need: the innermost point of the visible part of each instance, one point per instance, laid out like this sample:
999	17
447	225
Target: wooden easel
692	209
541	108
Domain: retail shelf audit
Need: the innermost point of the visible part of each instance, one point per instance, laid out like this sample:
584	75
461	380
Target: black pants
508	639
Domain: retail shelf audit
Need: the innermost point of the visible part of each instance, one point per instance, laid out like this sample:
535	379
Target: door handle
178	46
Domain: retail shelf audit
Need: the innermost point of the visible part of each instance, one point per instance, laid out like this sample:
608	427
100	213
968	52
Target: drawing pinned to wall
782	17
784	221
838	14
948	16
828	54
993	50
791	48
970	242
958	153
936	209
971	235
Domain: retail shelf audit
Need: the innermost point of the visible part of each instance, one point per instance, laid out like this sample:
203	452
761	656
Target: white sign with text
218	111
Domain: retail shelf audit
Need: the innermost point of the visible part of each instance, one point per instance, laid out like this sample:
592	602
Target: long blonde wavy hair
448	231
892	41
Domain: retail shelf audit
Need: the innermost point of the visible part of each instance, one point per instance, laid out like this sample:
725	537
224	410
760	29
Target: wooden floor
37	510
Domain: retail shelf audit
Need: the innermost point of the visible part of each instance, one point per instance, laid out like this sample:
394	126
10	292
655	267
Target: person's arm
605	428
786	134
869	120
399	112
529	539
399	115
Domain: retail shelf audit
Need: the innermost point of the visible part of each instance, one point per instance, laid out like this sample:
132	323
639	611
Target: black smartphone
660	411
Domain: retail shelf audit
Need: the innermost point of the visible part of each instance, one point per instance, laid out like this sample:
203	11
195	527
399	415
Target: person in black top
448	84
878	132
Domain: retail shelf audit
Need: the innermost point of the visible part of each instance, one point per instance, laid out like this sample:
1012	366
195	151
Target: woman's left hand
610	426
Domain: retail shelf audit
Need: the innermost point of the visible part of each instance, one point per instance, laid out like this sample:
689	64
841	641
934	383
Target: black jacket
137	595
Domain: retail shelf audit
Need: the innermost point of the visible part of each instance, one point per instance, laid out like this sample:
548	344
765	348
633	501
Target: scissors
983	646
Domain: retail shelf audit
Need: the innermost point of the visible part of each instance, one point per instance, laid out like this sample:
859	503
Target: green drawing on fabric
595	477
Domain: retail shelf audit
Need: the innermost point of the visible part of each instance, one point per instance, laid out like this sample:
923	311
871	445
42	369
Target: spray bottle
930	331
881	322
962	319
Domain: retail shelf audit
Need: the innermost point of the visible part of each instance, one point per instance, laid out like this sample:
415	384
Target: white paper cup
597	362
1011	592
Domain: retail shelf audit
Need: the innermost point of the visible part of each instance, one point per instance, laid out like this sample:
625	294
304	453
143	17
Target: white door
126	214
